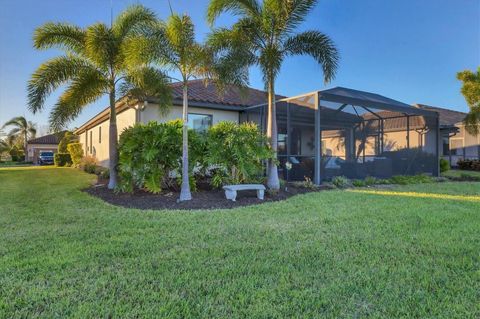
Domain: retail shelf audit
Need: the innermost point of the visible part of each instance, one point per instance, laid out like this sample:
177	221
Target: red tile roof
207	92
46	139
447	117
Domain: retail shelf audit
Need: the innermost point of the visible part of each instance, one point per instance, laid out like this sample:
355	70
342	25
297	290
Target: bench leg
231	195
260	194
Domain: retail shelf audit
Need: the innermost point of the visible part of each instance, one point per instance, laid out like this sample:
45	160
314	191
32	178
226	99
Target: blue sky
409	50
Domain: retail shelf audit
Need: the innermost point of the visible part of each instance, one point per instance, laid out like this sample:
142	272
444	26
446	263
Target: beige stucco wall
152	113
465	144
92	145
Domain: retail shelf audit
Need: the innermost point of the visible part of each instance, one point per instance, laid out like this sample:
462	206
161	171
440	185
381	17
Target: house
457	143
44	143
323	134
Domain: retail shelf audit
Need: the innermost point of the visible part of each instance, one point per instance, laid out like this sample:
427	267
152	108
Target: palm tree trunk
185	193
112	142
26	145
272	172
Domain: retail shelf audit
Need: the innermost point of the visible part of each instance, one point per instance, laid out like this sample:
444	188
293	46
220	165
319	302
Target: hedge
76	153
62	159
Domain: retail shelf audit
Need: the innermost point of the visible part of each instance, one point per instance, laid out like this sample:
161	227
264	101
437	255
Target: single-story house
43	143
323	134
457	143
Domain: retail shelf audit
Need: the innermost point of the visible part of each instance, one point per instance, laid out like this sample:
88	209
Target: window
91	142
199	122
99	134
446	146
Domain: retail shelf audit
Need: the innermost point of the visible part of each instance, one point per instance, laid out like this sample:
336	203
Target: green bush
237	152
62	159
68	138
341	182
359	183
76	153
444	165
413	179
150	156
466	164
89	164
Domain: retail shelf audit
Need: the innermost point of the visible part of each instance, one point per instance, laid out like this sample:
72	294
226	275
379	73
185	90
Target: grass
334	254
457	173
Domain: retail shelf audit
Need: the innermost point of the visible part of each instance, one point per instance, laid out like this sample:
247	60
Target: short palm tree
94	64
265	35
471	92
172	46
21	132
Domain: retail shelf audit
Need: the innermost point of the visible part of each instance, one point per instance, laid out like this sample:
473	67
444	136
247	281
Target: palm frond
295	12
86	88
131	20
18	121
101	46
147	82
472	121
317	45
62	36
50	75
235	7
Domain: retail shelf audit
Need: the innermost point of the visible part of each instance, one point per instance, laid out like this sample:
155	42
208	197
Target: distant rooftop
46	139
447	117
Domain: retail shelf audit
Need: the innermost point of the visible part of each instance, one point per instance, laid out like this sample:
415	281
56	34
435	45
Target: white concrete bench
231	190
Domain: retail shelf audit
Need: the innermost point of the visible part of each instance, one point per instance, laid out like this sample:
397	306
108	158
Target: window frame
201	114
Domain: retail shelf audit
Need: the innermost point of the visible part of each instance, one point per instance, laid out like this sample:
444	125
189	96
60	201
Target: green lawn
334	254
459	173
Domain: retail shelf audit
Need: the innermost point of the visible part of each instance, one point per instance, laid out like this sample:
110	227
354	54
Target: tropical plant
172	45
22	131
236	151
94	64
150	156
264	36
76	153
68	137
471	92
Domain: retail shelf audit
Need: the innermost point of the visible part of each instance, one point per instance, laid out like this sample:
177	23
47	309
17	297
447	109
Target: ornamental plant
76	153
236	152
150	156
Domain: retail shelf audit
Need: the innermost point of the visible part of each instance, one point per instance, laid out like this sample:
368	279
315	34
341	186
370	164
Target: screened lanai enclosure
345	132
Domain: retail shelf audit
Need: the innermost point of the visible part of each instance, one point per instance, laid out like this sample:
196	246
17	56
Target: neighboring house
457	143
43	143
323	134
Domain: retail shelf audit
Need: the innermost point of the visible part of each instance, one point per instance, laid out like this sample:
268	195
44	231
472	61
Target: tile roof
447	117
200	91
46	139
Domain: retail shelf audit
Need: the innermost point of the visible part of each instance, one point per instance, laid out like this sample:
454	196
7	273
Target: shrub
237	152
414	179
359	183
466	164
76	153
150	156
68	138
444	165
341	182
102	172
89	164
62	159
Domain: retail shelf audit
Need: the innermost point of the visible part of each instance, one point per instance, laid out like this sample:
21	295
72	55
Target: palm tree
23	131
264	36
94	64
471	92
172	45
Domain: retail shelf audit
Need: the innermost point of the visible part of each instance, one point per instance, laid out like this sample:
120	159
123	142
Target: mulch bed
204	198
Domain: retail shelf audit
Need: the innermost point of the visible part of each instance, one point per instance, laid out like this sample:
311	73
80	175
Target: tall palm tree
264	36
172	45
471	92
22	131
94	64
